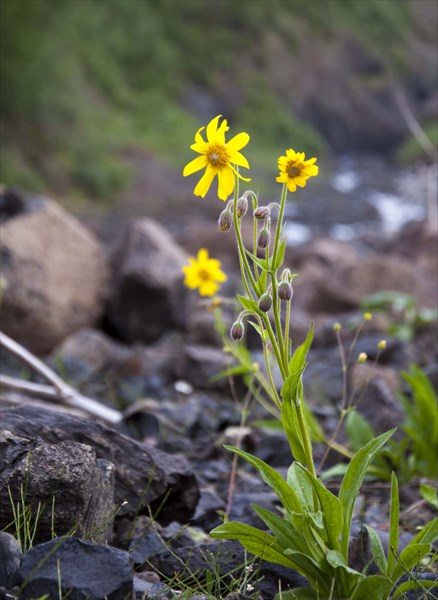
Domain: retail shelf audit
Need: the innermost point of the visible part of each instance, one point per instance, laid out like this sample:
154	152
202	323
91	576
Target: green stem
286	336
243	260
276	310
307	443
279	222
274	344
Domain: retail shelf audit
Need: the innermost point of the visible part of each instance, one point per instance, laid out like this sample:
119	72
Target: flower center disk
293	170
217	156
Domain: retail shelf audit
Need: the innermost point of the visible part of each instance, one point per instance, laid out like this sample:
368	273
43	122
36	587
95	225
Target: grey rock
147	287
85	570
144	476
64	485
10	557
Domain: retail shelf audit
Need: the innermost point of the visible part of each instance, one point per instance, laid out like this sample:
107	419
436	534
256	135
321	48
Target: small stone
10	556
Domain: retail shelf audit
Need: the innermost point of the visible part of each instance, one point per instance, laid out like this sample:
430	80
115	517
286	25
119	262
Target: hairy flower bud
237	331
262	212
265	302
285	291
264	238
362	357
381	345
242	206
225	220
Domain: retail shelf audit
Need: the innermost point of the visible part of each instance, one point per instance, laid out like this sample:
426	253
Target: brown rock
55	276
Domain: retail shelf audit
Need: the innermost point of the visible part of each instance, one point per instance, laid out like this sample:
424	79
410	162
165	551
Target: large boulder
147	294
54	275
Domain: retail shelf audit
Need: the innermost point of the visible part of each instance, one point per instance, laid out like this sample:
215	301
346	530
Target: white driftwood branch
59	389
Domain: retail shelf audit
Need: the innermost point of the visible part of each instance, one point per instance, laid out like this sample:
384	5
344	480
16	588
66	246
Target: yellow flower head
295	170
203	273
218	157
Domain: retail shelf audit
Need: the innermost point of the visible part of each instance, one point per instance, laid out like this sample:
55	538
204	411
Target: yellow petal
220	133
291	186
198	137
202	255
212	128
238	142
205	182
239	160
226	183
194	165
208	288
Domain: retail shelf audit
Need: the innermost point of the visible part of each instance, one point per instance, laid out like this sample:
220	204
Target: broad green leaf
415	584
298	361
298	594
372	587
291	542
336	560
358	429
353	480
298	481
409	558
289	420
330	506
257	542
261	283
393	524
312	536
377	549
248	304
287	495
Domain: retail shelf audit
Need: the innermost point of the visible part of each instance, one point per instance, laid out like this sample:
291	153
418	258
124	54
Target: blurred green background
86	85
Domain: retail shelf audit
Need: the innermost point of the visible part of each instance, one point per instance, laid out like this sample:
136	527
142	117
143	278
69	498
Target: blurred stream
364	197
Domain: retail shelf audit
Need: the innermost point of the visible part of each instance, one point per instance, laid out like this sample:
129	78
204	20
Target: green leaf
330	506
372	587
358	429
297	363
409	558
291	542
261	283
415	584
286	494
352	481
257	542
298	481
429	494
393	524
336	560
377	549
262	332
248	303
261	262
428	535
280	256
289	420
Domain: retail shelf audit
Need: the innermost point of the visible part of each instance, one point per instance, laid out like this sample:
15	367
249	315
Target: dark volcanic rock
144	476
82	569
10	557
66	488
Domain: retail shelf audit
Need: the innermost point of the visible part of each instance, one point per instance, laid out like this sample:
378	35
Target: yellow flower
294	170
203	273
218	158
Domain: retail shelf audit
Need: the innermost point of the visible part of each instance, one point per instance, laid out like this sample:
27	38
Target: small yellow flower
203	273
368	316
218	157
381	345
294	170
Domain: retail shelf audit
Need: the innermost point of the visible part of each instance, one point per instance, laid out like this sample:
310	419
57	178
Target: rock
202	364
66	488
81	569
147	295
55	276
144	477
10	558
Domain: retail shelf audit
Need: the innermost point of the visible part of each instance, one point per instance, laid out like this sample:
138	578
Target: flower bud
237	331
368	316
264	238
381	345
225	220
242	206
261	213
337	326
285	291
362	357
265	302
